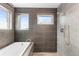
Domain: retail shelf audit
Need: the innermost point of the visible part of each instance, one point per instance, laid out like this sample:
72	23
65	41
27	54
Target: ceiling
35	5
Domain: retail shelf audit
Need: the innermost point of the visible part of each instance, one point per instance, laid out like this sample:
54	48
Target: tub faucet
28	40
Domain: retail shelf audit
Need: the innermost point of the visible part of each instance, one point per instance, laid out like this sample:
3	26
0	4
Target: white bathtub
16	49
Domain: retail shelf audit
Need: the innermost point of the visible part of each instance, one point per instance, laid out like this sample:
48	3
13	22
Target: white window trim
18	20
9	20
45	15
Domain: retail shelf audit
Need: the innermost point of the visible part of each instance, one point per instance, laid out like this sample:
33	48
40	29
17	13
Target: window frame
9	18
49	15
18	20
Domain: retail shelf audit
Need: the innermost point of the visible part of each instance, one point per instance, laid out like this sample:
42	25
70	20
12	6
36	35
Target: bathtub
17	49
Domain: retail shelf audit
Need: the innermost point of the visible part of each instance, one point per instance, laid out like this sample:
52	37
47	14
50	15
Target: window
23	22
4	19
45	19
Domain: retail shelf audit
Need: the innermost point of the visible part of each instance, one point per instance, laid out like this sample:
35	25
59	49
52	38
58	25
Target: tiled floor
46	54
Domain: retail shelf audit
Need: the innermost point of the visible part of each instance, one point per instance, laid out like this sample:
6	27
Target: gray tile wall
43	36
7	36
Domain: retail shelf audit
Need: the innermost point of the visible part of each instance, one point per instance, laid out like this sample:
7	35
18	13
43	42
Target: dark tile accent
43	36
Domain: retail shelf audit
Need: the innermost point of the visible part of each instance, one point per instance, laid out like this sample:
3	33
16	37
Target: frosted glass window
45	19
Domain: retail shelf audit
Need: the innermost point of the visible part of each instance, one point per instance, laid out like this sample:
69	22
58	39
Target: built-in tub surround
43	36
17	49
68	42
7	36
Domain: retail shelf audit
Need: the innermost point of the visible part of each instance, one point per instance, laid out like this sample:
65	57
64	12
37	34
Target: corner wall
68	42
7	36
